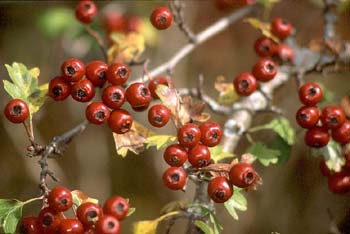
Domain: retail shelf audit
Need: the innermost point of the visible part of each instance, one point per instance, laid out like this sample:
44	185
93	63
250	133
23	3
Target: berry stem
99	41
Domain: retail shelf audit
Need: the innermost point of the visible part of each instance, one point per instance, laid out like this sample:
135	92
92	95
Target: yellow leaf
227	93
150	226
80	197
159	141
147	30
263	27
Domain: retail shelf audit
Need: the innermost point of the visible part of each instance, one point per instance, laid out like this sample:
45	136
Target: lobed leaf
263	27
236	202
80	197
204	227
264	154
150	226
159	141
218	154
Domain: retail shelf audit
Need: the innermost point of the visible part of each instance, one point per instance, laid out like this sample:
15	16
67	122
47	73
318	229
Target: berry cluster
319	122
90	217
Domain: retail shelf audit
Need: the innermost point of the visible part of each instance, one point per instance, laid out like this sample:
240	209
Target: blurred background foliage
294	197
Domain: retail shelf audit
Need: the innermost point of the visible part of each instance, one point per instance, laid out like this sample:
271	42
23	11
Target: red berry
161	18
339	183
310	94
71	226
316	137
242	175
158	115
175	155
107	225
60	199
49	221
118	73
120	121
88	213
138	96
332	117
308	116
175	178
116	206
73	69
189	135
133	24
28	225
245	84
342	134
211	133
199	156
264	70
16	111
113	96
97	113
284	53
325	171
59	88
114	22
281	28
83	91
85	11
152	86
220	189
96	72
265	47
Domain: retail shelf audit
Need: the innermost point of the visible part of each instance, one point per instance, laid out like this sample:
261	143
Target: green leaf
159	141
237	201
204	227
214	221
282	146
332	154
264	154
328	96
131	211
217	154
10	214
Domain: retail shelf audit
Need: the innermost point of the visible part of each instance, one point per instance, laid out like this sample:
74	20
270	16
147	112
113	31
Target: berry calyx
199	156
332	117
152	86
264	70
242	175
310	94
59	88
158	115
317	137
71	226
107	224
85	11
175	155
116	206
60	199
138	96
49	221
96	72
113	96
83	91
73	69
211	133
120	121
175	178
189	135
97	113
245	84
118	73
281	28
88	213
308	116
342	134
161	18
28	225
265	47
220	189
16	111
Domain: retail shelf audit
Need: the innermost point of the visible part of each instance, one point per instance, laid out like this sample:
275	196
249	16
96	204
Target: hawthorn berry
199	156
49	221
284	53
152	86
114	22
138	96
265	47
16	111
116	206
71	226
242	175
158	115
85	11
245	84
88	213
310	94
189	135
308	116
73	69
59	88
175	178
281	28
339	183
113	96
60	199
211	133
332	117
161	18
120	121
96	72
28	225
107	224
342	134
264	70
220	189
175	155
97	113
325	171
133	24
83	91
118	73
316	137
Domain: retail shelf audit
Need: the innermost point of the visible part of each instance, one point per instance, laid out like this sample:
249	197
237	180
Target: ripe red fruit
265	47
85	11
332	117
281	28
152	86
118	73
175	178
138	96
161	18
189	135
97	113
120	121
325	171
96	72
264	70
71	226
310	94
220	189
59	88
73	69
339	183
16	111
28	225
308	116
175	155
107	225
199	156
60	199
83	91
116	206
342	134
285	53
245	84
242	175
88	213
113	96
158	115
114	22
316	137
133	24
49	221
211	133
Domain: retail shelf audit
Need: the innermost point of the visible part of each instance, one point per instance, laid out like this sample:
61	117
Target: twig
329	18
99	40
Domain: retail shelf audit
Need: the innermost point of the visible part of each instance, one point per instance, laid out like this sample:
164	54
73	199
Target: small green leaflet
159	141
217	154
264	154
332	154
214	221
237	201
204	227
131	211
